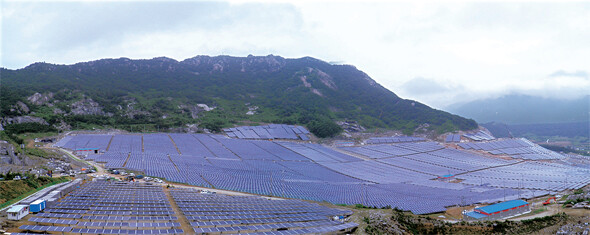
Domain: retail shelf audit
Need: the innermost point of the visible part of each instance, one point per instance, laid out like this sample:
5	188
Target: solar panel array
215	213
110	208
479	136
268	132
393	139
207	213
531	175
369	175
85	141
453	138
397	150
516	148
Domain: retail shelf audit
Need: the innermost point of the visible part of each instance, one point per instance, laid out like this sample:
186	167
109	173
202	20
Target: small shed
37	206
18	212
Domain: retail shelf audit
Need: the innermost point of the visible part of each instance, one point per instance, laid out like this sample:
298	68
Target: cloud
562	73
421	86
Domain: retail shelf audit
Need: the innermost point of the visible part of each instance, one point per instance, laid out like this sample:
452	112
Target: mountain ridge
169	92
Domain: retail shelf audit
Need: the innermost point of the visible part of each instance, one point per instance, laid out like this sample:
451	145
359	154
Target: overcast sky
436	53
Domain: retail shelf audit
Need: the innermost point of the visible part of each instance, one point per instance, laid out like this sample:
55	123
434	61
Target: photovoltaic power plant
214	213
138	208
404	174
109	208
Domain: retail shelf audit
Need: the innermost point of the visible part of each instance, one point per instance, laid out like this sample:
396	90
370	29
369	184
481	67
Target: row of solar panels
97	231
277	219
55	215
52	221
453	138
393	139
110	212
133	218
339	229
282	226
479	136
498	144
128	224
273	131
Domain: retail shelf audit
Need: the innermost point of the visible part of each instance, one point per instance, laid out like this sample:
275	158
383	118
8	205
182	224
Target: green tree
323	128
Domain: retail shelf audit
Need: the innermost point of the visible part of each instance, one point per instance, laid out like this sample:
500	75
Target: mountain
523	109
212	92
568	130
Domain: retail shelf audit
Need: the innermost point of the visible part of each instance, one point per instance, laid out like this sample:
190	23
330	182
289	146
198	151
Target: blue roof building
501	207
498	211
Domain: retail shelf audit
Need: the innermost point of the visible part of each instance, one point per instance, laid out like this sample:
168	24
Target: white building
18	212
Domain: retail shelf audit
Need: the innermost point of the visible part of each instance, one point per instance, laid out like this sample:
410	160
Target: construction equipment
549	201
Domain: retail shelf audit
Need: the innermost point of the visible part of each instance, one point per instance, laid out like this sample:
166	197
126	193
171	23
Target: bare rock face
219	64
351	126
196	109
23	119
58	111
40	99
308	85
325	78
7	154
20	107
87	106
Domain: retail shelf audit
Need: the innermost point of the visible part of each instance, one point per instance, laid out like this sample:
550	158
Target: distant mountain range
569	130
523	109
211	92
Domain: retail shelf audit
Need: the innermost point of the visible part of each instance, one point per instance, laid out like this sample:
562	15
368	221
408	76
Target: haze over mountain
525	109
213	92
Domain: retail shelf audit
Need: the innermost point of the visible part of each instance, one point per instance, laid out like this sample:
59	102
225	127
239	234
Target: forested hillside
211	92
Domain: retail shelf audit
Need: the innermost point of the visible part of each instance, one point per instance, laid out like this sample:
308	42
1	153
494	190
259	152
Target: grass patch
537	211
52	181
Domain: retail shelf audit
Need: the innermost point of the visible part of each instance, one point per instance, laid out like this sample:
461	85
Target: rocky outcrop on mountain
325	78
219	64
87	106
23	119
40	99
194	110
350	126
20	108
7	154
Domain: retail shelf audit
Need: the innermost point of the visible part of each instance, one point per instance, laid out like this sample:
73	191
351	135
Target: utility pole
462	207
